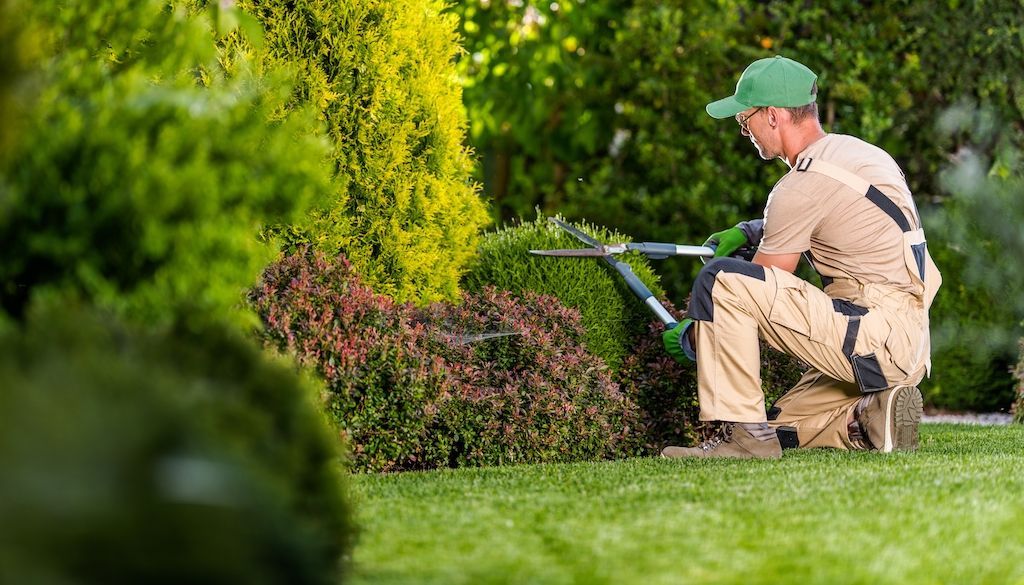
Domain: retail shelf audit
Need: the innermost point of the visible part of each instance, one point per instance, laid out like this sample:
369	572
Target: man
846	204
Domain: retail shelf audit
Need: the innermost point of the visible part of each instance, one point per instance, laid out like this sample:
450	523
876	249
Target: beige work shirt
847	235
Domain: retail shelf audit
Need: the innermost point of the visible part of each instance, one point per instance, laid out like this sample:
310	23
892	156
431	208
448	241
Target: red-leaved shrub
496	379
534	396
416	389
381	385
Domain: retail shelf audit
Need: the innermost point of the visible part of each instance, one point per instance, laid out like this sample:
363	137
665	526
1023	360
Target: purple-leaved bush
380	383
535	396
407	390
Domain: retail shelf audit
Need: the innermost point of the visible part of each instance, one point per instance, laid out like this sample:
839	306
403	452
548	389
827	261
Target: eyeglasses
744	128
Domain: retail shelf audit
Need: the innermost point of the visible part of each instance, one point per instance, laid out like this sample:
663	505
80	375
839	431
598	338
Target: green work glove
727	241
674	340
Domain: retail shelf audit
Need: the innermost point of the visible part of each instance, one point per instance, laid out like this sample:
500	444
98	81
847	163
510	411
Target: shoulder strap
858	184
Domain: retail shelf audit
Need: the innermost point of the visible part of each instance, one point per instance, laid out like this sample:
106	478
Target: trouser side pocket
868	373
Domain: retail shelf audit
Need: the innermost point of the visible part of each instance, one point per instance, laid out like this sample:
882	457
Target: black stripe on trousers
701	307
854	312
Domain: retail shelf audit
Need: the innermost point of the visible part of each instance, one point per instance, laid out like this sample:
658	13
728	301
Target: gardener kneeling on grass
846	204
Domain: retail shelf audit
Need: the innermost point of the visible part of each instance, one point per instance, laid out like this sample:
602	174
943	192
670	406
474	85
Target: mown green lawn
952	512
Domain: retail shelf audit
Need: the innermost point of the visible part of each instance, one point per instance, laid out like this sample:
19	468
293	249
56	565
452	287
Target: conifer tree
381	75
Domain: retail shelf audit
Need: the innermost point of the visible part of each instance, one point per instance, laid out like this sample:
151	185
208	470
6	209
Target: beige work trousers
801	320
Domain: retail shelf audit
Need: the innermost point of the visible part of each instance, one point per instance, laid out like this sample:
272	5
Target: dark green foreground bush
134	186
182	458
411	389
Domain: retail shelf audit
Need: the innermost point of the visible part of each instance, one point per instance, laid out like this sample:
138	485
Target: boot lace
722	435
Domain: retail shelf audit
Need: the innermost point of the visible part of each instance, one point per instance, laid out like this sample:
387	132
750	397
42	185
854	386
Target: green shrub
136	188
174	458
612	315
380	75
408	393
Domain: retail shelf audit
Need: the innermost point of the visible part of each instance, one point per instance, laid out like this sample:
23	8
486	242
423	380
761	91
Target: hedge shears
654	250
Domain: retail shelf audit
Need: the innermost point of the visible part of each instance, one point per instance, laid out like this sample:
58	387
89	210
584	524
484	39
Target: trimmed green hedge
612	315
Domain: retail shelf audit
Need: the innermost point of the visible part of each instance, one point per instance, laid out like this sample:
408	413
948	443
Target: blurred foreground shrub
19	47
137	187
179	458
411	389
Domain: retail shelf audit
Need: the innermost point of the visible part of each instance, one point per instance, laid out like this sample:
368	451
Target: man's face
752	124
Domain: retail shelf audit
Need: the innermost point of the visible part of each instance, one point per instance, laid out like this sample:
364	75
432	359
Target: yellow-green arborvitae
381	74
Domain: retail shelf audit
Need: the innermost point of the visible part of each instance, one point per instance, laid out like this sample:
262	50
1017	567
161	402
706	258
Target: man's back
848	236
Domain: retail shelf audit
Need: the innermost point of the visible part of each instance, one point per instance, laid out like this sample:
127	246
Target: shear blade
578	252
575	232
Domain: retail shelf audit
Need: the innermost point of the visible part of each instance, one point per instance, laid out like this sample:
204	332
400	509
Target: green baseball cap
775	81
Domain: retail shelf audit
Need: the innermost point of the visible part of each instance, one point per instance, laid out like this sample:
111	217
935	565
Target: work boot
887	421
735	440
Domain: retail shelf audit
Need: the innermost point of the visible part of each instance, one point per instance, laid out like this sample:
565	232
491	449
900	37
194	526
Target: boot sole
904	408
